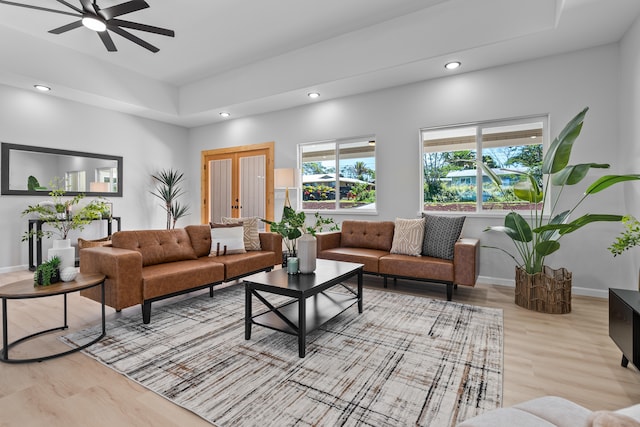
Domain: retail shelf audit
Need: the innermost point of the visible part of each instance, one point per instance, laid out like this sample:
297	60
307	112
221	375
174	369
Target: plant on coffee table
48	272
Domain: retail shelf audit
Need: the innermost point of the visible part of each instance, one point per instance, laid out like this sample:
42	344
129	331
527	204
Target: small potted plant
48	272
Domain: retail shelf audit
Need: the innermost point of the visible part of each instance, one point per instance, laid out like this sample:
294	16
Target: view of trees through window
449	163
354	186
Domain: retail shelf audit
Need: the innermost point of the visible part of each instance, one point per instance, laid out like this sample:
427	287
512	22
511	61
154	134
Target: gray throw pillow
440	235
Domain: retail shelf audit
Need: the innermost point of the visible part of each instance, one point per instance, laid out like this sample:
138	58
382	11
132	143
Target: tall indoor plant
168	190
538	236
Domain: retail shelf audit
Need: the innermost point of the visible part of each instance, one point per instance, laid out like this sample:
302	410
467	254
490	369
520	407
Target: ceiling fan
101	20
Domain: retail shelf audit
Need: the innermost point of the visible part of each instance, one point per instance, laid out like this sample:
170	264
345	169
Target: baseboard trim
575	290
13	268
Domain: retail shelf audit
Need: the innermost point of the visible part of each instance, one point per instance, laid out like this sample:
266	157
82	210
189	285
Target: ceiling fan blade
70	6
142	27
124	8
136	40
66	28
108	42
88	6
46	9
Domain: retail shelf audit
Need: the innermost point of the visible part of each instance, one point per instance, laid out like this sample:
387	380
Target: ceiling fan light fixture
94	23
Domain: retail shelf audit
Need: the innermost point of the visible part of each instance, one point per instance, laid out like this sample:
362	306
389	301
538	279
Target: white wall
560	86
629	155
31	118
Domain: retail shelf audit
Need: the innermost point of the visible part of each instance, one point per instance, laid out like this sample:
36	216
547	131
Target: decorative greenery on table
48	272
59	214
168	190
539	236
292	225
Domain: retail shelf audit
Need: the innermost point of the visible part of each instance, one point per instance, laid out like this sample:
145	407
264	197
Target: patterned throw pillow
408	236
441	234
226	239
251	233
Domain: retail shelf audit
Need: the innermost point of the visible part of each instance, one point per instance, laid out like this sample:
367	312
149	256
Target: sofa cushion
237	265
368	257
164	279
250	228
227	239
408	237
425	268
440	235
367	234
200	236
156	246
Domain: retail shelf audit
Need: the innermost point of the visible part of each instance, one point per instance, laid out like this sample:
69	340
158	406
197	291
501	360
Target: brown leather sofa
369	243
149	265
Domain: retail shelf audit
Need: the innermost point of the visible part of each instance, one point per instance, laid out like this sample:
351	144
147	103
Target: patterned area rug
404	361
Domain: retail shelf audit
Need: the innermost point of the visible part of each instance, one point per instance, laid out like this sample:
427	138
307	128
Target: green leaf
579	223
573	174
491	174
515	221
547	247
609	180
557	156
528	191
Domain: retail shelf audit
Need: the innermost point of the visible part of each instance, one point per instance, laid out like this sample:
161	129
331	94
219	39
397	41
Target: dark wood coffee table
311	305
24	289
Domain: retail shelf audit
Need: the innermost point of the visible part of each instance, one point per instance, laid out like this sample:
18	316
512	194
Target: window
449	170
353	186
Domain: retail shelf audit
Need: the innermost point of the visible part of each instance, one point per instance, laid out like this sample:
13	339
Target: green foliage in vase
46	271
60	214
539	236
292	225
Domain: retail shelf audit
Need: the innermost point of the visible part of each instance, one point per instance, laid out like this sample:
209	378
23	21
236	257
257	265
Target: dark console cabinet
624	323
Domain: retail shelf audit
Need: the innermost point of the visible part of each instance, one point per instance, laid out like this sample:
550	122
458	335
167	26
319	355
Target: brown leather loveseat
149	265
370	243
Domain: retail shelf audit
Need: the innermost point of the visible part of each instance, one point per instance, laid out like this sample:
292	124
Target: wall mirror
28	170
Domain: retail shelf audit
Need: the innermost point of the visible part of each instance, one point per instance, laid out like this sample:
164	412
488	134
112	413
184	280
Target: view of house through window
512	149
339	174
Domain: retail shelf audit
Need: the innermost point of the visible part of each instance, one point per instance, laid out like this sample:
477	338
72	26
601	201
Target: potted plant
537	286
61	218
168	190
48	272
292	226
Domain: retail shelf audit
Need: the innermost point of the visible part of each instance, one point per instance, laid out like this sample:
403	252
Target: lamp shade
285	177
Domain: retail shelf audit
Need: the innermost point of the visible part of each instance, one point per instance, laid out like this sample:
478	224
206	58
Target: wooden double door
237	182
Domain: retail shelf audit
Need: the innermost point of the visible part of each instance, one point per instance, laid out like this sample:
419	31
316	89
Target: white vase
63	250
307	253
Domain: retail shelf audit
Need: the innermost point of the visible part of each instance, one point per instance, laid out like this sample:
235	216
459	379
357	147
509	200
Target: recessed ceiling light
452	65
94	23
42	88
224	114
313	95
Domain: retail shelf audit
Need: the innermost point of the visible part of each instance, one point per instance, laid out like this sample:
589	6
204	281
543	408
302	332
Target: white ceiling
253	56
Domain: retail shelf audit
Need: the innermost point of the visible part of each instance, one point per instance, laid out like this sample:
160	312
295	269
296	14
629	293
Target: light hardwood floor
567	355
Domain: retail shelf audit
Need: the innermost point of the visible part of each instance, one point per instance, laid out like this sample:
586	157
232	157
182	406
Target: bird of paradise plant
539	236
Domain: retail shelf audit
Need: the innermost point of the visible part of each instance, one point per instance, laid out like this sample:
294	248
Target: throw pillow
250	228
226	239
408	236
441	234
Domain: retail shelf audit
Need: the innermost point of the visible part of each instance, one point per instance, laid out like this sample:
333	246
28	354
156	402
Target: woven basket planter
546	292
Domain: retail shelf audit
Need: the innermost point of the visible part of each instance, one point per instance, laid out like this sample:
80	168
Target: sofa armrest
328	240
123	271
466	260
272	242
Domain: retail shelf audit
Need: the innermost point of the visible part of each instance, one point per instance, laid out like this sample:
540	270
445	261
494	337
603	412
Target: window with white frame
449	155
339	174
